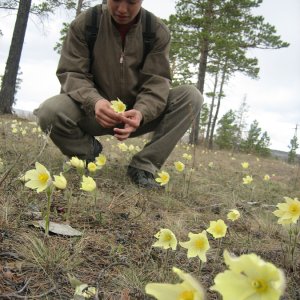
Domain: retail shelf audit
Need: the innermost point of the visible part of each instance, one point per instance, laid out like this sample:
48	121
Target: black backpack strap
149	33
93	19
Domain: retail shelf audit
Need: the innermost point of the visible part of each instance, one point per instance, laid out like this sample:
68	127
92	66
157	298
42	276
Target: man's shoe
142	178
97	150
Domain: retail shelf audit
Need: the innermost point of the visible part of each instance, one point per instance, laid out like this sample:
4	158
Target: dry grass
115	250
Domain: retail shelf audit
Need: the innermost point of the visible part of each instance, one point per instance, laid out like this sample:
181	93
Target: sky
272	99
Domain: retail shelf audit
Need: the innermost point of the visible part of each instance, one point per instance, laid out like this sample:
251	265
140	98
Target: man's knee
53	109
194	97
188	95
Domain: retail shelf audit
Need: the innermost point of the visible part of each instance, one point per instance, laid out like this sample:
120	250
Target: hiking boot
142	178
97	150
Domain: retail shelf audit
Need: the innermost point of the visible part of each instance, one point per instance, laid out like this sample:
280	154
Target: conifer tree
294	145
227	131
206	26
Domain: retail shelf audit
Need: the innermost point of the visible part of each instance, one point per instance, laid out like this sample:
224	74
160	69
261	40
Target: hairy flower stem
165	265
47	216
296	233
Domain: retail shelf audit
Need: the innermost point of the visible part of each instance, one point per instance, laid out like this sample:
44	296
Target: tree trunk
79	7
211	109
200	85
9	80
210	144
194	135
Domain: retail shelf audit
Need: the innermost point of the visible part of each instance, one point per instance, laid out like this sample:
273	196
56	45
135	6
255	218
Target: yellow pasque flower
233	215
76	163
245	165
288	212
131	148
166	239
123	147
118	106
211	164
266	177
198	245
247	180
217	229
187	156
188	289
60	181
85	291
38	178
179	166
249	277
163	178
92	167
88	184
101	160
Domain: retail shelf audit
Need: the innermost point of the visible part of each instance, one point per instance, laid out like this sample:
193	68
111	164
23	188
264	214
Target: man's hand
105	115
132	120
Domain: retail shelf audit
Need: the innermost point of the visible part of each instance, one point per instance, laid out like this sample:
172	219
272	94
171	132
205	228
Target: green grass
115	250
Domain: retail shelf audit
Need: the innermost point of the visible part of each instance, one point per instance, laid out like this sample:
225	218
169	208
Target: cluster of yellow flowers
17	127
247	277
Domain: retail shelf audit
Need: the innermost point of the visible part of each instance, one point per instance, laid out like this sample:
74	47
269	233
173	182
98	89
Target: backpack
92	27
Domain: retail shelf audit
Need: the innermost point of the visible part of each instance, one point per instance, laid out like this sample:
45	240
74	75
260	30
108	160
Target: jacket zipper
122	72
122	57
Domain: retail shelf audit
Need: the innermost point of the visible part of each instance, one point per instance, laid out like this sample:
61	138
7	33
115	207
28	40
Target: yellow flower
198	245
233	215
118	106
85	291
92	167
101	160
211	164
88	184
249	277
217	229
76	163
266	177
131	148
188	289
179	166
60	181
245	165
187	156
166	239
38	178
163	178
247	180
288	212
123	147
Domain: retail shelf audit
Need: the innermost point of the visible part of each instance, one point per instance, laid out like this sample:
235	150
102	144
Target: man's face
124	11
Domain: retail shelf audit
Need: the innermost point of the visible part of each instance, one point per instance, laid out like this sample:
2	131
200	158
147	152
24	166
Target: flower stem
47	216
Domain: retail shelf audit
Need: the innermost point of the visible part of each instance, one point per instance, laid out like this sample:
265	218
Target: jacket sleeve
73	70
155	77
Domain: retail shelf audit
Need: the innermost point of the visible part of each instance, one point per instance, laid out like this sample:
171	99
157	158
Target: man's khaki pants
73	131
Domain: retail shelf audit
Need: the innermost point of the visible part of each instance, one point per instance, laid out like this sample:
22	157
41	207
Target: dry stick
28	297
9	170
22	289
102	273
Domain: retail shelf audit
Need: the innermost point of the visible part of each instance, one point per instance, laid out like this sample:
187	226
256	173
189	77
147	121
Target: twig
14	295
102	273
9	170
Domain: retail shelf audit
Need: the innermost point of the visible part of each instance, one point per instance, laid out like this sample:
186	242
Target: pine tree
205	27
227	131
294	145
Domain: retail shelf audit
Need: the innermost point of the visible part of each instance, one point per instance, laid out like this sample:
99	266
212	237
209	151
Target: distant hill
25	114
